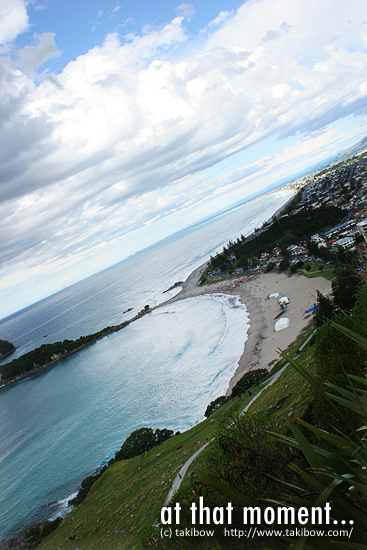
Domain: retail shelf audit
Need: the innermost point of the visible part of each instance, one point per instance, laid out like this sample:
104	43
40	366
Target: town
341	187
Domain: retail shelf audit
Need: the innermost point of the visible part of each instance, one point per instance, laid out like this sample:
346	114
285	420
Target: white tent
274	295
283	299
281	324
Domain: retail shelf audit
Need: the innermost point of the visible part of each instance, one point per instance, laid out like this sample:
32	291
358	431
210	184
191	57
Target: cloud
285	27
31	57
186	10
271	35
13	19
142	131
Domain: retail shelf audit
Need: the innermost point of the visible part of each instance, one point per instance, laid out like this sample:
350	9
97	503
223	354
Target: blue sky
81	25
123	122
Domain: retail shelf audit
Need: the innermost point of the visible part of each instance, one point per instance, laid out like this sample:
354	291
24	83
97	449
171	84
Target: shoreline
262	343
98	336
192	276
260	348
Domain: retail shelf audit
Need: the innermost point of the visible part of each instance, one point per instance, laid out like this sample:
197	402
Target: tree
6	347
348	281
325	311
284	264
336	357
248	380
214	405
140	441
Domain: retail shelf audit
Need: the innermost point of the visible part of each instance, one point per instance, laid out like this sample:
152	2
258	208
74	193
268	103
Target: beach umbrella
281	324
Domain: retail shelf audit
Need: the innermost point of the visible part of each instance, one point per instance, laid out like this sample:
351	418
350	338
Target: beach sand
263	342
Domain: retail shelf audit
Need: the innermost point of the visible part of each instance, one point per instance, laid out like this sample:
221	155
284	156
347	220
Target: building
346	242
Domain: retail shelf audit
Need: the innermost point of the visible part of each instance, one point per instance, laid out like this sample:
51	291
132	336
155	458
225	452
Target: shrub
140	441
214	405
270	267
248	380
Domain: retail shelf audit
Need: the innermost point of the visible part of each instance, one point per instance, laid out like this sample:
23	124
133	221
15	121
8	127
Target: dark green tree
248	380
348	280
214	405
335	356
6	347
325	310
140	441
284	264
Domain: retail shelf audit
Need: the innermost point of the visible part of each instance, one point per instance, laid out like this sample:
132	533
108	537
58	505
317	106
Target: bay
65	421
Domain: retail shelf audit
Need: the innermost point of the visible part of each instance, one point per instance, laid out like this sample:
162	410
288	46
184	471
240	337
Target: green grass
129	495
290	394
328	272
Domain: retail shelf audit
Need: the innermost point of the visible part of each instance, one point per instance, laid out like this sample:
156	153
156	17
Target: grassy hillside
128	497
124	504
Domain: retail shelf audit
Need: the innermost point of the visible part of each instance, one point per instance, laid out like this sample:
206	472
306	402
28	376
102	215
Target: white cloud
13	19
186	10
131	133
31	57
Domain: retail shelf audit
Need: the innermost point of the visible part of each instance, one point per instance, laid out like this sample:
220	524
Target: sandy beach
263	342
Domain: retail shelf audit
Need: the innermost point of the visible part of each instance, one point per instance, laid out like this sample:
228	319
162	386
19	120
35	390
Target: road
179	477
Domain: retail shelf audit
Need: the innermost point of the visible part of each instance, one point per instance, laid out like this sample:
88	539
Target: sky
122	122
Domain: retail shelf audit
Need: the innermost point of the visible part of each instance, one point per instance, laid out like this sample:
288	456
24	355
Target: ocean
65	422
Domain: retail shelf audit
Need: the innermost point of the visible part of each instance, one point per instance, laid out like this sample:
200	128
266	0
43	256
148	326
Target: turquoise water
62	423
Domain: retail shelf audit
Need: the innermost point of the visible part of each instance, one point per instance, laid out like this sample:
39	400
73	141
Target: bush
248	458
35	535
337	356
248	380
284	264
140	441
214	405
6	347
325	311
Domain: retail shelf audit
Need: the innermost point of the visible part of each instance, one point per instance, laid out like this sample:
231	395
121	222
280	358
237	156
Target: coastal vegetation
38	533
248	380
245	455
6	347
283	232
50	353
347	274
45	355
139	441
301	442
310	456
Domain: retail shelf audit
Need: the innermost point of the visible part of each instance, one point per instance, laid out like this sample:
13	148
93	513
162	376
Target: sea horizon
118	381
